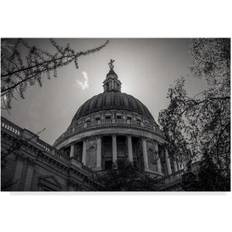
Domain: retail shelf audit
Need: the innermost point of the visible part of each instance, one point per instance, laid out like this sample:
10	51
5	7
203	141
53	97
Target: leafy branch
200	124
23	65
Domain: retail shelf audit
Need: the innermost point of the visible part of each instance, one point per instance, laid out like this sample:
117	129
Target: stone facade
29	164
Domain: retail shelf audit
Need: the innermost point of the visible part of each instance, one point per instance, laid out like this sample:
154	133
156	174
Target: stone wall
25	166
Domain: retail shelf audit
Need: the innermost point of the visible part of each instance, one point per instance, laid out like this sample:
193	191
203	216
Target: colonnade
130	154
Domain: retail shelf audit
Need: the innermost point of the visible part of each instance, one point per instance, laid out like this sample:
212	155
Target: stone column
114	146
130	151
145	158
84	153
168	162
72	151
113	118
29	176
18	175
159	169
175	166
99	158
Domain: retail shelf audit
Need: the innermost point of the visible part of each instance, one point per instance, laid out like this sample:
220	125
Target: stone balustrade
24	134
9	126
106	123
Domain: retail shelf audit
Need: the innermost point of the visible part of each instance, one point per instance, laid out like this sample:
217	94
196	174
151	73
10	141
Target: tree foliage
207	178
126	177
199	125
210	177
23	65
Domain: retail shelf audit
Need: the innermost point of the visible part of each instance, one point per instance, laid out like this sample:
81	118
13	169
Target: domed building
108	130
113	127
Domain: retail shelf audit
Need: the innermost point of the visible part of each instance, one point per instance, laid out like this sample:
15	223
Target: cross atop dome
111	82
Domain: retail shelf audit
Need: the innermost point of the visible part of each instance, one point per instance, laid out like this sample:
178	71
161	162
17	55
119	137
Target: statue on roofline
111	64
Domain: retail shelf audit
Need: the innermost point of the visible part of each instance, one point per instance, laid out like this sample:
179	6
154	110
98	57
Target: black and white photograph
115	114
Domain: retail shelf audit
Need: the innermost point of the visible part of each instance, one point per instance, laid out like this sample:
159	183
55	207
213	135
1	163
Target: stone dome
108	111
113	100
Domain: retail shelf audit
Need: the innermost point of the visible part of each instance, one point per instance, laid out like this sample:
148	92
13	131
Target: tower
111	82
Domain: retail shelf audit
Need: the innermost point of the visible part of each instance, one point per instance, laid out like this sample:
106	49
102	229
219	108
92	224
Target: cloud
85	83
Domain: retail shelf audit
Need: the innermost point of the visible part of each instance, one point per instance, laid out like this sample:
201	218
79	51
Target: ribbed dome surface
113	101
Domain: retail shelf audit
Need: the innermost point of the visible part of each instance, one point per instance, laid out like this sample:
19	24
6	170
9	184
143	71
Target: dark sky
146	68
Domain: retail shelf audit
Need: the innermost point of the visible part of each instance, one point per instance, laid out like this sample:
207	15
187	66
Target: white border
111	211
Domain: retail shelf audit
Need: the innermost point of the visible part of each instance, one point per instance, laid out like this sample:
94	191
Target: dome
113	100
110	110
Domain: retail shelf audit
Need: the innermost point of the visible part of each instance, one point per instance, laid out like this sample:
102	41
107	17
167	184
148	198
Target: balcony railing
9	126
105	123
25	134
